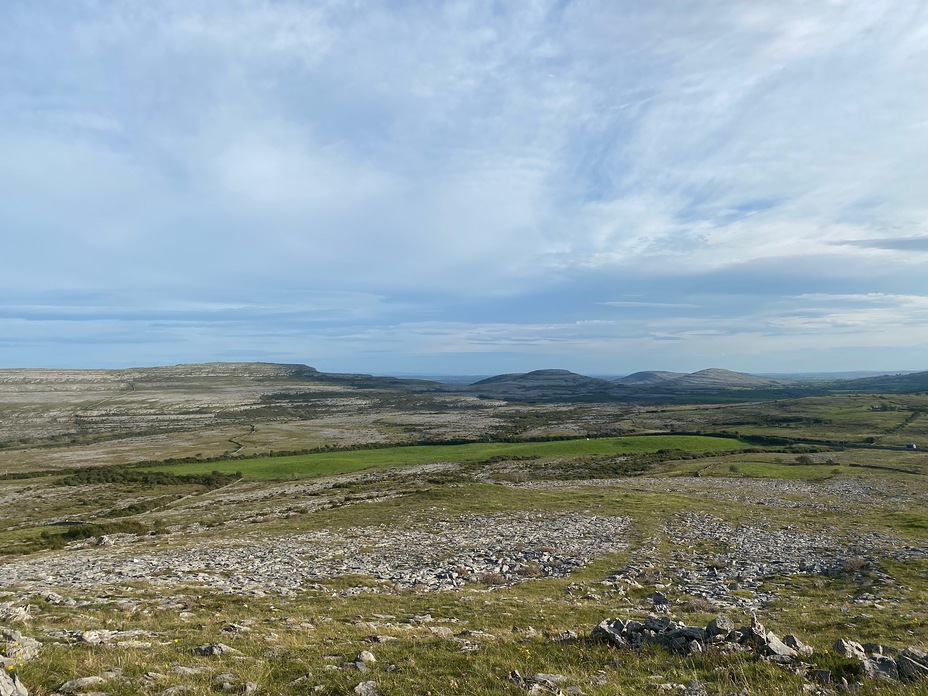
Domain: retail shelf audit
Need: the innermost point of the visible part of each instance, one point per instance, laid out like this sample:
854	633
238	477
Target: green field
761	469
332	463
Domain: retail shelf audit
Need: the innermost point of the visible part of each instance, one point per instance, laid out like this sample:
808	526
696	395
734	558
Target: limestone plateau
257	528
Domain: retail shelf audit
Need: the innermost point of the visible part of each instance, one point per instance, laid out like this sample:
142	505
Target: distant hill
829	376
647	385
715	378
712	385
894	384
648	377
558	378
712	379
543	385
215	370
363	381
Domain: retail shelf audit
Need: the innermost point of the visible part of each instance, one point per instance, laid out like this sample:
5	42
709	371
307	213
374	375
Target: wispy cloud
649	305
904	244
686	170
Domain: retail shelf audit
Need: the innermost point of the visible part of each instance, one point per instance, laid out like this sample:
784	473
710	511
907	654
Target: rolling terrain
258	528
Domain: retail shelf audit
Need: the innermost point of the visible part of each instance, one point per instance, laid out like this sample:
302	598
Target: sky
417	186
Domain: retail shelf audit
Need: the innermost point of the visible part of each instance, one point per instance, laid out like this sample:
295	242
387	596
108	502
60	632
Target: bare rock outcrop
908	665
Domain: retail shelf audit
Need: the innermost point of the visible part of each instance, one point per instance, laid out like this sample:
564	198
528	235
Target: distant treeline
41	473
118	474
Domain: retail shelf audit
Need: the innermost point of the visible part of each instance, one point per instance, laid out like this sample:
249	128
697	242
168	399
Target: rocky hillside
648	377
543	385
716	379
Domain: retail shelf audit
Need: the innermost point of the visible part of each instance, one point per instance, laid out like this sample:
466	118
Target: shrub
118	474
492	579
855	563
529	571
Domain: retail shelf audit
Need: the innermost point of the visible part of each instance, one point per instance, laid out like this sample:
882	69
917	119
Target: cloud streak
595	178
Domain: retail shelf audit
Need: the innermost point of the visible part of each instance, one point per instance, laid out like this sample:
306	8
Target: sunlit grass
331	463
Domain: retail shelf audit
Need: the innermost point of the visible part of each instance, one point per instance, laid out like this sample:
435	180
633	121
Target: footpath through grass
332	463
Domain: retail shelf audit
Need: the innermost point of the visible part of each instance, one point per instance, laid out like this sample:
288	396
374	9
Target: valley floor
455	575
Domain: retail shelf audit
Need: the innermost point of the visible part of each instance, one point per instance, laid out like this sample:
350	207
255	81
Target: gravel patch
727	565
443	554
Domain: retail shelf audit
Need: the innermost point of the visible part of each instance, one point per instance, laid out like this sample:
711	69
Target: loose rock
367	688
80	684
16	648
214	649
912	664
850	649
11	686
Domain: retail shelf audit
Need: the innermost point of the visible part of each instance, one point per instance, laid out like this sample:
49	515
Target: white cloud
477	153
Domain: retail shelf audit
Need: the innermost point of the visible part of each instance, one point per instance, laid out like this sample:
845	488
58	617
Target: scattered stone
214	649
14	613
153	676
93	637
774	647
691	633
541	683
850	649
912	664
694	688
721	625
880	667
124	639
875	648
543	677
686	640
367	688
797	645
80	684
820	676
755	552
11	686
564	636
379	639
16	648
658	624
367	657
434	555
611	630
174	690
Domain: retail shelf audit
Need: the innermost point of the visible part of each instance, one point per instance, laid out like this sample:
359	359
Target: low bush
115	474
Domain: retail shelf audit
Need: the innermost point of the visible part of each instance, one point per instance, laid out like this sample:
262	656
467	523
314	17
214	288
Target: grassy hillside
455	565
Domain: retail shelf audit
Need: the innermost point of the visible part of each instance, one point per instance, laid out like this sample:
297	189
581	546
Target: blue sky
465	187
